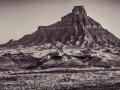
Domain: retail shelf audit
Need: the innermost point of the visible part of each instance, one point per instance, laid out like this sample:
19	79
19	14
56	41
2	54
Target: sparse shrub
108	51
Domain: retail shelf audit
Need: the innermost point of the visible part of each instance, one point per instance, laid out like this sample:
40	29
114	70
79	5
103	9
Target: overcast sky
20	17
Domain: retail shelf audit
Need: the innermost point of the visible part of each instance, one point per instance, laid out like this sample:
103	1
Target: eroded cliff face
75	28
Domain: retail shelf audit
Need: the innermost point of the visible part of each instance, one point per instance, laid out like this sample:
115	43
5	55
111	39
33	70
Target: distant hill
75	28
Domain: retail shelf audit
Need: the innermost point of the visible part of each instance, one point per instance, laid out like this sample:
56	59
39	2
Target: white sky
20	17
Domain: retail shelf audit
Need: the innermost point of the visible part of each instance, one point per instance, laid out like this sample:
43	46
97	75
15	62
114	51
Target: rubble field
37	68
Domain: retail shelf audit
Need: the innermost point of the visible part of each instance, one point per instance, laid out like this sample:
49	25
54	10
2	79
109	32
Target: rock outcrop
75	28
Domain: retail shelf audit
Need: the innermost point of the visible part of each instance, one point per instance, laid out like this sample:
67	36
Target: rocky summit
75	28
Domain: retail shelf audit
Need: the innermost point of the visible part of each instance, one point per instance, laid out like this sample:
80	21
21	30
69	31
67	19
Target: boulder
75	63
119	52
49	64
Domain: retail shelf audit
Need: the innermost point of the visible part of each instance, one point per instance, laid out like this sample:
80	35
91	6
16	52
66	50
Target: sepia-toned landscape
76	53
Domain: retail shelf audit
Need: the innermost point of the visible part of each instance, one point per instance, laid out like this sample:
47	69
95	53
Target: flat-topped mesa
79	10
